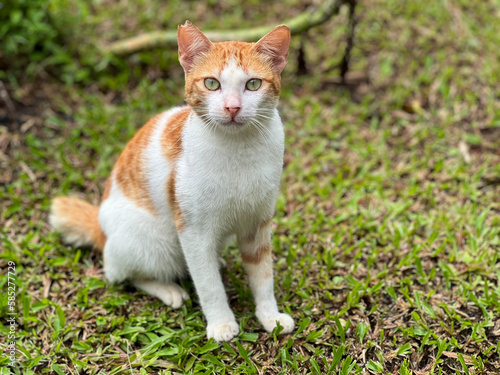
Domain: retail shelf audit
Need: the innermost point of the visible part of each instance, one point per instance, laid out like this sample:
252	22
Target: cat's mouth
233	122
228	122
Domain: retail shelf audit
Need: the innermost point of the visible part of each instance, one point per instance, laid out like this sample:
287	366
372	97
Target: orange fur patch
171	142
255	257
171	139
257	246
107	189
266	223
79	219
129	171
173	202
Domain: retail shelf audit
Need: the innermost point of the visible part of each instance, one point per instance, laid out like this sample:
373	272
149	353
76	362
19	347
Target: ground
386	235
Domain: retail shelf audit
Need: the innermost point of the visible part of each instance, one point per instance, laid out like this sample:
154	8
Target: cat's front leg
203	262
257	258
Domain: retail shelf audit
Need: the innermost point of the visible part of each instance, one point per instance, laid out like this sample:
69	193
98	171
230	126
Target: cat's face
232	84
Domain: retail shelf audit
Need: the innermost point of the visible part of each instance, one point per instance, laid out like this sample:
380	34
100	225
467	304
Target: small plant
27	34
44	36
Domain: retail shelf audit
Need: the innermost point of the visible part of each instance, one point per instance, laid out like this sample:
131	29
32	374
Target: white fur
227	180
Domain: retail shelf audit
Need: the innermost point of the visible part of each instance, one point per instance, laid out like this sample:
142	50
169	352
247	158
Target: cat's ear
275	45
192	43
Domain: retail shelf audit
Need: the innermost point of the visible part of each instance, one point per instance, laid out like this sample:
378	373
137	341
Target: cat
194	176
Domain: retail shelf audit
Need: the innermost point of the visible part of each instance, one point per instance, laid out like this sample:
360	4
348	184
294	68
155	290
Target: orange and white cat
193	176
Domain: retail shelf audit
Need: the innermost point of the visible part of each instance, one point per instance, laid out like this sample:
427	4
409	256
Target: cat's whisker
264	121
265	112
212	125
264	116
263	131
209	124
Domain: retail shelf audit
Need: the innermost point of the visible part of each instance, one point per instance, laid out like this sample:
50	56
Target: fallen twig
159	39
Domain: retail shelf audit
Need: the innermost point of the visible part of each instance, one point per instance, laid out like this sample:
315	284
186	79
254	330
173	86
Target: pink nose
233	111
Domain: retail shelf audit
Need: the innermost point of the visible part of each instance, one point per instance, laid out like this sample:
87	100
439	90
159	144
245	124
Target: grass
386	236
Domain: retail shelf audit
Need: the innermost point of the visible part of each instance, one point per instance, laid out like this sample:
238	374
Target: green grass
386	236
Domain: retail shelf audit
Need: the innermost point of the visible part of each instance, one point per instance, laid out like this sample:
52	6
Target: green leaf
405	349
244	354
314	335
208	347
361	331
374	366
129	330
213	359
341	330
57	369
15	16
189	363
249	336
315	366
337	356
302	326
462	362
61	316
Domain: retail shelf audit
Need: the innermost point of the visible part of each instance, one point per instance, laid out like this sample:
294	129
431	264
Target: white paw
223	332
285	320
172	295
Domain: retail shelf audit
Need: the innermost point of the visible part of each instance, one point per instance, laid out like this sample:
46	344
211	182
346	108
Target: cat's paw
223	332
285	320
172	295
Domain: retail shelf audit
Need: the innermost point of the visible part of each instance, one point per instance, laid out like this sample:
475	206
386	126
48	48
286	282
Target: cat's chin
234	125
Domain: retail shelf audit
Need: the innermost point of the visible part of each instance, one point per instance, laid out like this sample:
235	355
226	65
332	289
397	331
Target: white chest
227	178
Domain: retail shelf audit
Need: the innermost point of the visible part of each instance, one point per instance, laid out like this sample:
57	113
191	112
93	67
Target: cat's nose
233	111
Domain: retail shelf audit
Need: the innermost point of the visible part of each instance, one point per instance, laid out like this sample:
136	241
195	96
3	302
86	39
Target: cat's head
232	84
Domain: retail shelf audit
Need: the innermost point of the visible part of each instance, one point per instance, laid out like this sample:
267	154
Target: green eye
212	84
254	84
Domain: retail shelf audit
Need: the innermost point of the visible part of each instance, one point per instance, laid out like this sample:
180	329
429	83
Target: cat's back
134	214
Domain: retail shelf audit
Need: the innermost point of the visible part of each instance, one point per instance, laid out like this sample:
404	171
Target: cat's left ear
192	43
275	45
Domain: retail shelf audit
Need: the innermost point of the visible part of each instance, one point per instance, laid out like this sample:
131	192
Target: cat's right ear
192	43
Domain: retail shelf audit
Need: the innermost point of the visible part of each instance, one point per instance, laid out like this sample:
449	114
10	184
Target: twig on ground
312	17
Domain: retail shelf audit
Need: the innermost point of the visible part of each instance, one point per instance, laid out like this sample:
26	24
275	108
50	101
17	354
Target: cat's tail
77	221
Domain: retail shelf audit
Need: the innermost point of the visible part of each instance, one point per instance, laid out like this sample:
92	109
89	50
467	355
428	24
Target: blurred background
386	231
405	56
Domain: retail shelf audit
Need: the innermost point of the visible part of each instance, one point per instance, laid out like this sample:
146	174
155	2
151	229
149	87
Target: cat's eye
253	84
212	84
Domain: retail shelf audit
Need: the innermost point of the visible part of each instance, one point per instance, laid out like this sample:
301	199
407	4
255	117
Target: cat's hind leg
170	294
